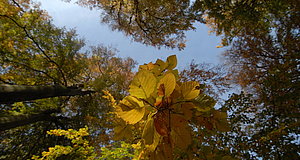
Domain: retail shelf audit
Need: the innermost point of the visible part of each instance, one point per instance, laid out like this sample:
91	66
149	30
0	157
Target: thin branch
148	103
39	71
38	46
18	5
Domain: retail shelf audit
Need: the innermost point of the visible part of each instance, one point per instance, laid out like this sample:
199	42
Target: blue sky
200	45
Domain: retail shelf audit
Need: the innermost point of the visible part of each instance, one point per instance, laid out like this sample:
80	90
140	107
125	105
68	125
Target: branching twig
39	47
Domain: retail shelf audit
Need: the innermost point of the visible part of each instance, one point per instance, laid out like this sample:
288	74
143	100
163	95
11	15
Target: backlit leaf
162	65
156	140
172	62
143	84
132	116
168	83
131	110
190	90
148	132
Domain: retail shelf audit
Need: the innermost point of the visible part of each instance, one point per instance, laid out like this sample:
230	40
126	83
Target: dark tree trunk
21	120
18	93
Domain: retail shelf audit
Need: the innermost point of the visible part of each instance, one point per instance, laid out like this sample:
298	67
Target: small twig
148	103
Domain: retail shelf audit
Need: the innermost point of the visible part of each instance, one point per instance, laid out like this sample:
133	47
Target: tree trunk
17	93
21	120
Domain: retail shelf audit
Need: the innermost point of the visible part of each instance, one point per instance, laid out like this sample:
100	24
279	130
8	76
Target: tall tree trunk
21	120
17	93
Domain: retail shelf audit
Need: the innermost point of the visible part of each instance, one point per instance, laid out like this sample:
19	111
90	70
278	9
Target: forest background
52	80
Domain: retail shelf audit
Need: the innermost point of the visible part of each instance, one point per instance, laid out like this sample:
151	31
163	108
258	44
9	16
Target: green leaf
167	84
190	90
162	65
143	84
172	62
204	103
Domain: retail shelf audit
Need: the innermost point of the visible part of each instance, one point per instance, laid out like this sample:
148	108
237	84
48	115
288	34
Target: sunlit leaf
190	90
148	132
161	64
156	141
172	62
132	116
167	84
131	110
143	84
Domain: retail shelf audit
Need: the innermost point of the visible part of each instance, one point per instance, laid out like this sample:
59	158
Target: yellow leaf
148	132
156	140
168	82
131	110
172	62
143	84
190	90
161	64
148	66
132	116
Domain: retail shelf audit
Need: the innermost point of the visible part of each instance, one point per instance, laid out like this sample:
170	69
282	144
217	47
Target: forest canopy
63	100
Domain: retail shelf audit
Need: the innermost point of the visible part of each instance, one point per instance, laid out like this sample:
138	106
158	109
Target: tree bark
21	120
18	93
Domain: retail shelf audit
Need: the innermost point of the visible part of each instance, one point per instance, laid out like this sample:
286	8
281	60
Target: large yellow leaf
132	116
148	132
167	83
190	90
143	84
131	110
172	62
156	141
162	65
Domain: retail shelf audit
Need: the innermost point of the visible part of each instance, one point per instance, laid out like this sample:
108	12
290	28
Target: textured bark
18	93
24	119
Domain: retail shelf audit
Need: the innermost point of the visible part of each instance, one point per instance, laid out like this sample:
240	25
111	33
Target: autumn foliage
162	111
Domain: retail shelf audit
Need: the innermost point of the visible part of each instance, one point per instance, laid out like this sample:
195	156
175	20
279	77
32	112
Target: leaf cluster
161	111
80	148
